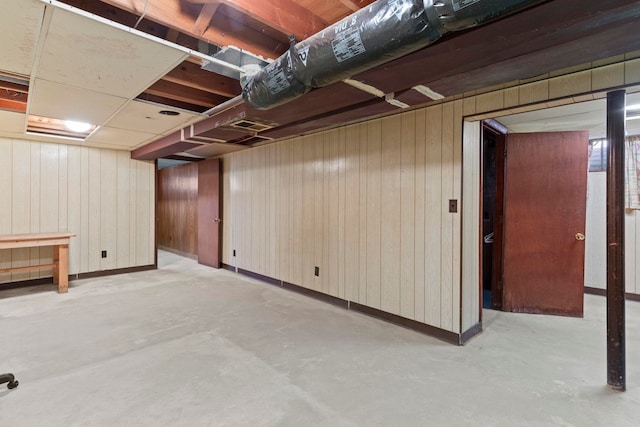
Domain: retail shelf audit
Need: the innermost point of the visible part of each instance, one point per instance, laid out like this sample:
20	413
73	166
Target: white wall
101	195
595	263
595	274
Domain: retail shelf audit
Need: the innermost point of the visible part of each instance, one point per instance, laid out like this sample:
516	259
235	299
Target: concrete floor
190	346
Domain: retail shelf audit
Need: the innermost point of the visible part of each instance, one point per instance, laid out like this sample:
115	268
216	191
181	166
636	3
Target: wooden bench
60	243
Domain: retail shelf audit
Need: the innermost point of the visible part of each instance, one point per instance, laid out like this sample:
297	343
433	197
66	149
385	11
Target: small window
598	155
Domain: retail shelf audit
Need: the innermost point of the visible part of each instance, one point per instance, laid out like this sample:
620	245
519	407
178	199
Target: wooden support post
616	377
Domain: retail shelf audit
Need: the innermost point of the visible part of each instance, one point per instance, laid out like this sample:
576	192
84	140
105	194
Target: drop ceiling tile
12	122
145	117
69	103
83	52
118	137
20	22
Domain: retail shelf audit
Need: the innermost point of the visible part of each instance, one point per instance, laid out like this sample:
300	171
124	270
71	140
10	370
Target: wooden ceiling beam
285	16
174	15
13	87
181	93
356	5
159	100
204	18
11	105
11	95
191	75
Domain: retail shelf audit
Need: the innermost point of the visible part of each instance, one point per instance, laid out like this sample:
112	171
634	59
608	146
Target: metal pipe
226	105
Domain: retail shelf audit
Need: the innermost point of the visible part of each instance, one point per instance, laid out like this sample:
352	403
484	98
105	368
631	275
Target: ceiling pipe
377	34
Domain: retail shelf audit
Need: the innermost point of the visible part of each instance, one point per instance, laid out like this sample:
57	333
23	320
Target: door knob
216	220
579	236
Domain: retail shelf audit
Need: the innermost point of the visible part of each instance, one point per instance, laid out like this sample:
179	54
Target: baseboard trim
74	277
595	291
228	267
329	299
441	334
603	293
26	283
257	276
470	333
102	273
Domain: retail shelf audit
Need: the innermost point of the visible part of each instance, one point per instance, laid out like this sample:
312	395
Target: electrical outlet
316	271
104	254
453	206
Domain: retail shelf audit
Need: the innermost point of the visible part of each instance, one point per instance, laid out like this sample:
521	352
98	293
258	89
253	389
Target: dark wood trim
228	267
262	278
450	337
603	293
595	291
78	276
330	299
94	274
26	283
497	263
470	333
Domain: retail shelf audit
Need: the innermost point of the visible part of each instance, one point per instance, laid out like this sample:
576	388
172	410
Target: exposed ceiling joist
285	16
13	87
191	75
356	5
12	105
204	18
175	15
185	94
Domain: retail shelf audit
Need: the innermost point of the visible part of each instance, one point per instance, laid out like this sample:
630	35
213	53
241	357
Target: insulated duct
381	32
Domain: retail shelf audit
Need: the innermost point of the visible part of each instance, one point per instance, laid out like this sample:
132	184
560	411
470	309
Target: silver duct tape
384	31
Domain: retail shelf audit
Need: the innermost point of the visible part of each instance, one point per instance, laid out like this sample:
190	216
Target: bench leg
61	268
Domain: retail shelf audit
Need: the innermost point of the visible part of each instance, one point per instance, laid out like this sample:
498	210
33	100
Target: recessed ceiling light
168	113
77	126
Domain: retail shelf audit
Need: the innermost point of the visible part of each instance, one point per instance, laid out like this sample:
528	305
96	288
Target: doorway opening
493	139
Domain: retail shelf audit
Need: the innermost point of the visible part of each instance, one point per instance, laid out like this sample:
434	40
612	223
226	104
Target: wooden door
545	209
209	212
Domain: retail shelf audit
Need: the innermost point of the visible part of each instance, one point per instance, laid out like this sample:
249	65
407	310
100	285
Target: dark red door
544	222
209	212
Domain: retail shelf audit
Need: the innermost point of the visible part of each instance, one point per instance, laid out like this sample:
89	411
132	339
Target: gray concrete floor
190	346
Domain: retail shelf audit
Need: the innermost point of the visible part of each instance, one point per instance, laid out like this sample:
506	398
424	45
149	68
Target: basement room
319	213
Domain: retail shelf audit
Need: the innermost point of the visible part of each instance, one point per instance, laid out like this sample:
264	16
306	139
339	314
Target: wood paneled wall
101	195
368	203
178	209
632	251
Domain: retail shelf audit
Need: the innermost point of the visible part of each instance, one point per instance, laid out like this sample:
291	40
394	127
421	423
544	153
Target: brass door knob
216	220
579	236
